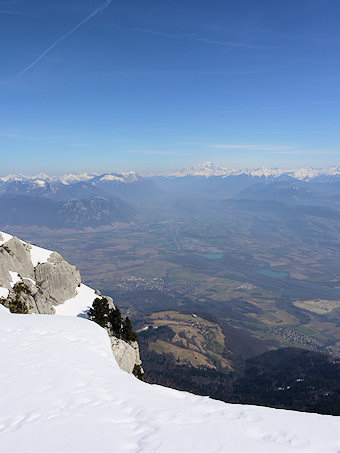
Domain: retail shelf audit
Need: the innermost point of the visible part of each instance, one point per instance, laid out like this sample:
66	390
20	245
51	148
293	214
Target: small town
292	336
158	284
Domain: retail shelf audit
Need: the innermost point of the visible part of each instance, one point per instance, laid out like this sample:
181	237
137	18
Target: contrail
58	41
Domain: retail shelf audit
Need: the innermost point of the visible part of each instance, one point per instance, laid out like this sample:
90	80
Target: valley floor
62	391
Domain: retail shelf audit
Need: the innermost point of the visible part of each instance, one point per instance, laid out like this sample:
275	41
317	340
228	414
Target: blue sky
92	85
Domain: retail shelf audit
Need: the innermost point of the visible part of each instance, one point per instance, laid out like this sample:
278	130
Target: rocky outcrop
126	354
51	282
57	278
33	297
15	256
15	259
48	284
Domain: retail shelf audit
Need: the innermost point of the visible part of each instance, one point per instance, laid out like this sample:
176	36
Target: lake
270	273
213	256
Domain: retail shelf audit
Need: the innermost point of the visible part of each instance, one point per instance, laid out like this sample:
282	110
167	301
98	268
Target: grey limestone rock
16	257
126	354
110	301
41	305
57	278
49	283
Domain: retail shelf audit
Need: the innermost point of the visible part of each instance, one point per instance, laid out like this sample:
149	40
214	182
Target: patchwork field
196	341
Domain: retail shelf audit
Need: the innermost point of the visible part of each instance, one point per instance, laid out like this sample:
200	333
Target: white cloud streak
59	40
242	146
158	152
16	13
252	147
194	37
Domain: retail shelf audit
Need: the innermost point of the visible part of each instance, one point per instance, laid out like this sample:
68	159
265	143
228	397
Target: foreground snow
62	391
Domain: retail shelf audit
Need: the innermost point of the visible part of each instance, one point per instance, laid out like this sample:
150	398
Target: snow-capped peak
40	182
112	178
77	177
21	177
209	169
130	176
43	177
205	169
14	177
71	178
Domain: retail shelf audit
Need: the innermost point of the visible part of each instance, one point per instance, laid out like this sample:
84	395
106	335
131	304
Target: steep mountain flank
76	213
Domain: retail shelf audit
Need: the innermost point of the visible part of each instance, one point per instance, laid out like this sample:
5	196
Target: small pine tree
137	371
115	319
21	287
99	312
111	319
128	334
17	305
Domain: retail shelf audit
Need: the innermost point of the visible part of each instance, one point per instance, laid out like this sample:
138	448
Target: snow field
6	238
79	304
4	292
62	391
15	278
39	255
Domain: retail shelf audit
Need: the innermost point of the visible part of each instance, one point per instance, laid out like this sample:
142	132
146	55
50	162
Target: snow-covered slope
62	391
78	305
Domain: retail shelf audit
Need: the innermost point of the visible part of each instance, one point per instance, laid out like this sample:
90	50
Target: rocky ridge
36	280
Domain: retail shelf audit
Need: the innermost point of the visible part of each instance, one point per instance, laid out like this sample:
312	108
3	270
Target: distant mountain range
209	169
42	179
95	200
205	169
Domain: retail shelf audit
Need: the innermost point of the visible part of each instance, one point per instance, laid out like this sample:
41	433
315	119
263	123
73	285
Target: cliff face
126	354
50	282
35	280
